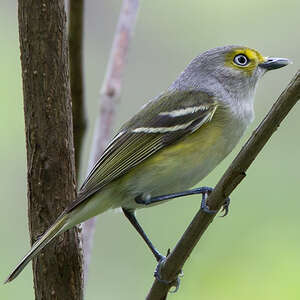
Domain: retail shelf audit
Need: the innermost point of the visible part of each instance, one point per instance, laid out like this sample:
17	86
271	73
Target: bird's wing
156	126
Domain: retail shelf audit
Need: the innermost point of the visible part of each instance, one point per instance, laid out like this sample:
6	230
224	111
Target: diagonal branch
109	97
229	181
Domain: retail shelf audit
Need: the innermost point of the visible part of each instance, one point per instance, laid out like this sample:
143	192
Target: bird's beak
272	63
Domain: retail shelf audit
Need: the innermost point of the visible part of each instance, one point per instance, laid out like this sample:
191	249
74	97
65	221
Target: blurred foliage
251	254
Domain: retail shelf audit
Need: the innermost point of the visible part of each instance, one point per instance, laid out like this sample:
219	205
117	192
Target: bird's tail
58	227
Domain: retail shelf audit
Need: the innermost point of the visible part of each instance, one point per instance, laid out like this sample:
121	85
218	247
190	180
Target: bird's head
230	69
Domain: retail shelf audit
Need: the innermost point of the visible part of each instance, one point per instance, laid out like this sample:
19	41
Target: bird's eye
241	60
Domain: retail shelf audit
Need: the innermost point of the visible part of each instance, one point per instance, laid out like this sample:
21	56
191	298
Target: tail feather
52	232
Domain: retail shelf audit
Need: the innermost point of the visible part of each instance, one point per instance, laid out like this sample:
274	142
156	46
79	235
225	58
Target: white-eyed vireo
172	142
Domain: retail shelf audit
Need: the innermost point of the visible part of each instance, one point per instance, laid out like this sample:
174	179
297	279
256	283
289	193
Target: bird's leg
132	219
205	191
159	257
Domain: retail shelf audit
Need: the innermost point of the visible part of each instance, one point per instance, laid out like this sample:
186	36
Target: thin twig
229	181
76	9
109	97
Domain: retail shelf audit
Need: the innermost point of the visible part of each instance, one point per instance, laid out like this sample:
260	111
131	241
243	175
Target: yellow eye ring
241	60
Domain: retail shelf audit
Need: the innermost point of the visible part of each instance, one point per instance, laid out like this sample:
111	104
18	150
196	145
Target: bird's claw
157	274
205	193
225	207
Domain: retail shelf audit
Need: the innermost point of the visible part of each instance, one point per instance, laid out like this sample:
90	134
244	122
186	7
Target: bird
172	143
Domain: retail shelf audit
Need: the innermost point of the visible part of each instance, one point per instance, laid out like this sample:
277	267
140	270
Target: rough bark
229	181
50	154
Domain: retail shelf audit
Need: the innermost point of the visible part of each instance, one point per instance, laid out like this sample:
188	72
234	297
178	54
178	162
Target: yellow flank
197	142
254	56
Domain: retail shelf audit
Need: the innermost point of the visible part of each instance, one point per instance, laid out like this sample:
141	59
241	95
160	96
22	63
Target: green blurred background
254	253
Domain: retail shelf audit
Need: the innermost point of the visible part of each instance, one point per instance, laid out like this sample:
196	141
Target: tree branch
109	97
49	142
76	13
229	181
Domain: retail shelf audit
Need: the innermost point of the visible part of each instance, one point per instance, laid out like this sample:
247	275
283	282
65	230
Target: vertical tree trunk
49	140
